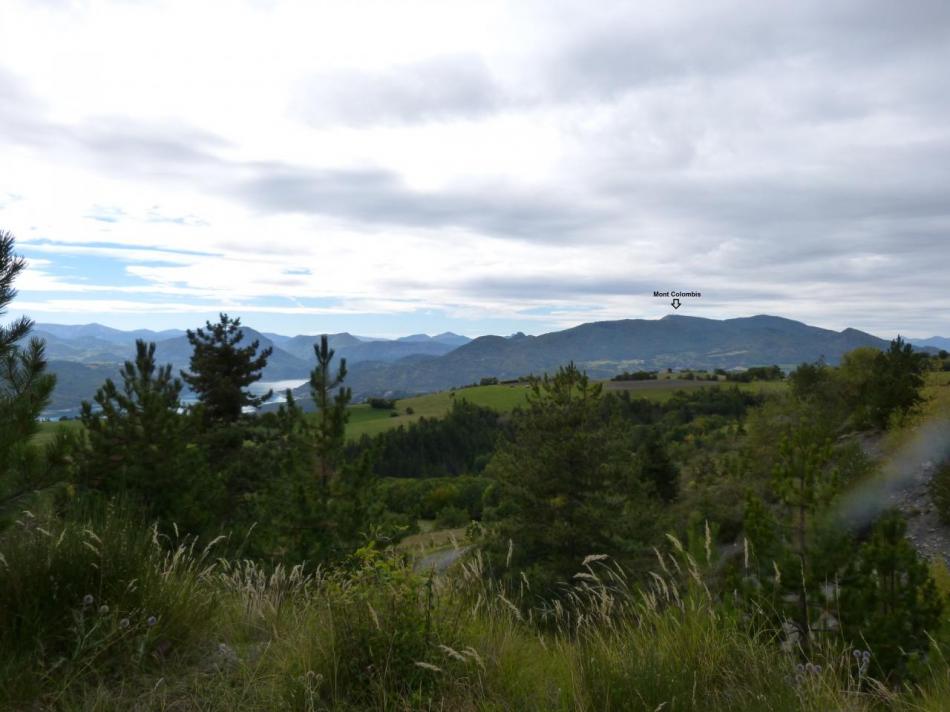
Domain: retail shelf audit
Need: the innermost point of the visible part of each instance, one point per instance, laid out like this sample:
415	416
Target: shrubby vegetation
620	553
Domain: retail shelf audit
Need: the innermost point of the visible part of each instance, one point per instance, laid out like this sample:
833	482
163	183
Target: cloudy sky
483	167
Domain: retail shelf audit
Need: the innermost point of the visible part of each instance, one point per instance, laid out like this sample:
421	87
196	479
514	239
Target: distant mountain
105	333
606	348
446	337
280	366
937	342
84	355
420	363
388	351
301	345
76	382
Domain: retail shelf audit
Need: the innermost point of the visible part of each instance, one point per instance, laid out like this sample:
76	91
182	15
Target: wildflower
103	609
88	599
152	620
124	623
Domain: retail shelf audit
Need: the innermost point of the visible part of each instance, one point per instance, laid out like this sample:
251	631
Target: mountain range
83	356
935	342
606	348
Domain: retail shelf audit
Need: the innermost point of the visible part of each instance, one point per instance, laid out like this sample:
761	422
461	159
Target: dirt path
930	537
440	561
903	484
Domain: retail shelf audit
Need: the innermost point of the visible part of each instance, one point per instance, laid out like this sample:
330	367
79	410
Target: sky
394	167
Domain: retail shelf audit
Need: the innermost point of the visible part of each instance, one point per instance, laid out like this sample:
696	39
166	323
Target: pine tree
329	429
889	600
656	467
25	386
221	370
137	438
805	480
896	384
567	484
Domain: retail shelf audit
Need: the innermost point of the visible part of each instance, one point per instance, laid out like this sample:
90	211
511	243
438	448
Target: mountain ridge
421	363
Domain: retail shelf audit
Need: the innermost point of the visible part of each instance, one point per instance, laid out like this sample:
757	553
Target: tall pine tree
25	386
137	438
221	370
889	601
329	429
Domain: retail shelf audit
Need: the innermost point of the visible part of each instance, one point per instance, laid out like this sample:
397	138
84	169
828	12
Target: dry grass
380	636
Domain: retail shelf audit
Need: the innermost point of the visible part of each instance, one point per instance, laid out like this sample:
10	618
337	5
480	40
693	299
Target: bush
94	586
371	638
636	376
381	403
940	492
451	517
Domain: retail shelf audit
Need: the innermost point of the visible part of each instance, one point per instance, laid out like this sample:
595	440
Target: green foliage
567	487
868	390
138	441
92	594
635	376
424	498
221	370
450	517
889	601
381	403
654	466
757	373
330	425
940	491
459	443
898	379
25	387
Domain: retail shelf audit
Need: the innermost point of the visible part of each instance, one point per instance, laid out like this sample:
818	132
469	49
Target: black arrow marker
676	303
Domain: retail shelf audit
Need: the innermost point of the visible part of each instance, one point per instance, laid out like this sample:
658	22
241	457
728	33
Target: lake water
259	388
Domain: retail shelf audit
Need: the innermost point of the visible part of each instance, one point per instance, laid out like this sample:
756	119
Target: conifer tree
221	370
889	600
898	379
805	481
137	438
329	428
656	467
25	386
568	484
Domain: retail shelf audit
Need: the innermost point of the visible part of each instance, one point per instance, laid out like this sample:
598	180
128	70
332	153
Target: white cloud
545	162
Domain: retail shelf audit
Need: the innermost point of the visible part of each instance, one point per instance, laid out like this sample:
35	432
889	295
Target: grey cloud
803	134
380	198
572	287
714	39
439	88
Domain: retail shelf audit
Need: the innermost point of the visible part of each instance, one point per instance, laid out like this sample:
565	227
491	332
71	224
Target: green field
504	398
365	420
48	429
